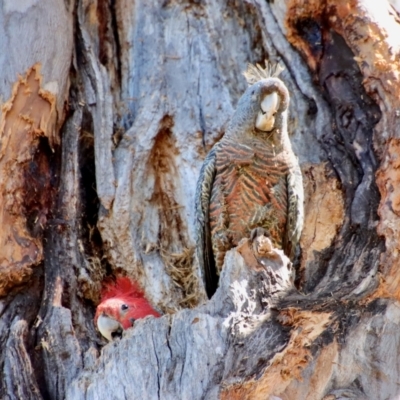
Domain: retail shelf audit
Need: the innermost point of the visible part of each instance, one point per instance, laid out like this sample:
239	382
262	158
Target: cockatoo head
121	305
263	106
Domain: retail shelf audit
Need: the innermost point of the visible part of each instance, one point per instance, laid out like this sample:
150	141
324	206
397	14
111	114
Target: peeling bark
108	110
27	132
20	384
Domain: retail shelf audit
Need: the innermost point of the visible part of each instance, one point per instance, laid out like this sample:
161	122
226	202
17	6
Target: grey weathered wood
99	100
186	355
36	32
164	115
19	377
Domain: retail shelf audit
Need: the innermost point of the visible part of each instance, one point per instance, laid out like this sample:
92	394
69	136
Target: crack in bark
158	366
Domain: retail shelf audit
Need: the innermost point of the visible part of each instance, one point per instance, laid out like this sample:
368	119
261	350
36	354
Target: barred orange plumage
250	179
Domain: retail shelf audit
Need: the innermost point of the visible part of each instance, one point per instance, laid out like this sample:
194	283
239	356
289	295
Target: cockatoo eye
124	307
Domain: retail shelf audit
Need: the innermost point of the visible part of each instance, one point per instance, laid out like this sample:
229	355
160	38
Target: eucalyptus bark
108	110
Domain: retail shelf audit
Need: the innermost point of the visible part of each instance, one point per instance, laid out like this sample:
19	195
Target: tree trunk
108	110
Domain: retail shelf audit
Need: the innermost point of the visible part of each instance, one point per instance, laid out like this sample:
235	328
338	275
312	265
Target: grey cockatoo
251	178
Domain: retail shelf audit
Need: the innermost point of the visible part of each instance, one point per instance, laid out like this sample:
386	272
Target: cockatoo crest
255	73
123	288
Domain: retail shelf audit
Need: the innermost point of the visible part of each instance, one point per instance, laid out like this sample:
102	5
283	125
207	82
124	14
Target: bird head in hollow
122	303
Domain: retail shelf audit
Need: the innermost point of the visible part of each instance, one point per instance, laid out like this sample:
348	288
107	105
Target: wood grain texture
36	32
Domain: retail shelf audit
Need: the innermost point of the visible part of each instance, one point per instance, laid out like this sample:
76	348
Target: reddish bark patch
27	130
287	366
388	179
162	162
368	35
176	253
324	215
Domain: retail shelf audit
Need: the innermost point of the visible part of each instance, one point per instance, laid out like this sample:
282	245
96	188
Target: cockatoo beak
266	117
108	327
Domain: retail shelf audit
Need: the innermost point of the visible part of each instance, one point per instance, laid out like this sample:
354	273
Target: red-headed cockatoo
122	303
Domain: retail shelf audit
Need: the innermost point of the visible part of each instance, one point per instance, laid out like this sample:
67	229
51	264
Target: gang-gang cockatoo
251	179
122	303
